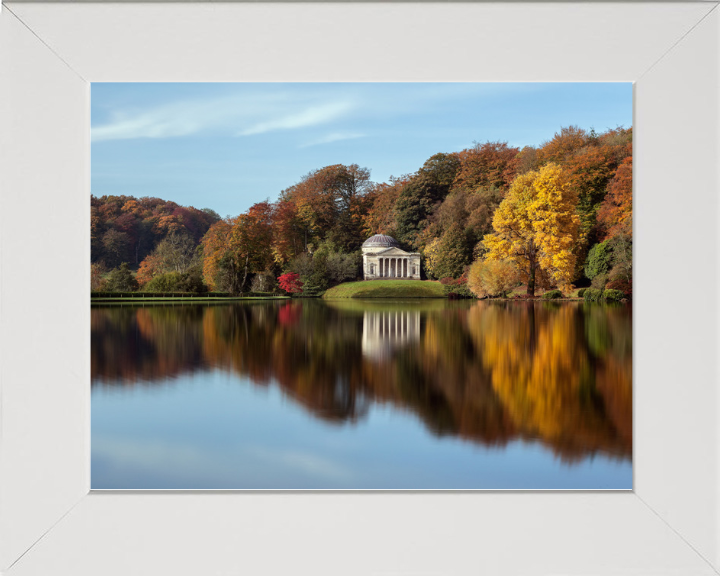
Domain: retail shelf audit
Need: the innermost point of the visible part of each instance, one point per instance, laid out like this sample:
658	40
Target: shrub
341	267
552	294
492	278
192	281
593	295
581	292
620	284
169	282
447	280
613	295
186	282
456	288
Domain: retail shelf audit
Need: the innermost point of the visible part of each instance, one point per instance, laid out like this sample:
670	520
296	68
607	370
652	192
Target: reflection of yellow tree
551	392
542	372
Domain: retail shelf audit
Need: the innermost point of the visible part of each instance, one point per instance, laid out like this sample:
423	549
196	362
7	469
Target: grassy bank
387	289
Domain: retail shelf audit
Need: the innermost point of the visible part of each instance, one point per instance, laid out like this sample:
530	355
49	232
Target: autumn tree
485	165
380	215
536	227
97	280
215	245
289	234
615	213
329	204
527	160
590	161
236	248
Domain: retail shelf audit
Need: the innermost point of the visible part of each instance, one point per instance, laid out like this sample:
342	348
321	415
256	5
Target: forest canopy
554	216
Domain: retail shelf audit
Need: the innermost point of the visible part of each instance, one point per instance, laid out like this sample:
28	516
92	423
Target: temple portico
383	258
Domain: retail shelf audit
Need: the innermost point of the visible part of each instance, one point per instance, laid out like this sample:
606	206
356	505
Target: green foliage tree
419	197
598	260
450	254
177	252
620	275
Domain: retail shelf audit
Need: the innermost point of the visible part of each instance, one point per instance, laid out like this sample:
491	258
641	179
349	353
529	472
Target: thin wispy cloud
333	137
250	112
312	116
234	116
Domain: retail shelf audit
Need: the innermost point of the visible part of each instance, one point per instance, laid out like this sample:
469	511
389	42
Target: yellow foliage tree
536	227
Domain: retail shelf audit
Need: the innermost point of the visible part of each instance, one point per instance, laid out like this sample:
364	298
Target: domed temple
383	258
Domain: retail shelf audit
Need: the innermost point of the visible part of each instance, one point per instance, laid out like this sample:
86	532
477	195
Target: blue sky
227	146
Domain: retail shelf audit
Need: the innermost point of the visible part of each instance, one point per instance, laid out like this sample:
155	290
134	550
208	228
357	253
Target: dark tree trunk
531	277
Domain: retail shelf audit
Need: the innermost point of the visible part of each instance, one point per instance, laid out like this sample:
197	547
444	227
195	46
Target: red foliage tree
290	282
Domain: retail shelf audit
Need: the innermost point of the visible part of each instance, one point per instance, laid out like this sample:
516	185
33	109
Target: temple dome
380	241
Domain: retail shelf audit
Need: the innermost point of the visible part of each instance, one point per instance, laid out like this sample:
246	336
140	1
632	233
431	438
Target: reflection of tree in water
485	372
313	357
144	344
547	376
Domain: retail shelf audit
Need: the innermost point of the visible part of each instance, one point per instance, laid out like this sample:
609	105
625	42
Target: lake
351	394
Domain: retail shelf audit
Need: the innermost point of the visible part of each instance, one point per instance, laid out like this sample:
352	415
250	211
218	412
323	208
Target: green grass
387	289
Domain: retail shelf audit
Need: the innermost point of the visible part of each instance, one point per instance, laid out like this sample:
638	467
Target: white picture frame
50	522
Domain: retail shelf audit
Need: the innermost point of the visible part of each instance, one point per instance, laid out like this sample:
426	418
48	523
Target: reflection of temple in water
384	332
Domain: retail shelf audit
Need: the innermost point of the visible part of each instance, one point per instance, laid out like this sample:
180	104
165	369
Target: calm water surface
362	394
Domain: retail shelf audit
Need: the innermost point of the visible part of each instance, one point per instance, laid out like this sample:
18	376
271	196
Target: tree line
486	220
